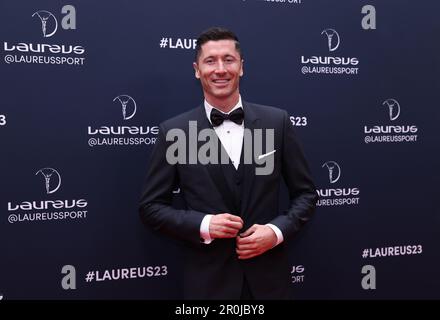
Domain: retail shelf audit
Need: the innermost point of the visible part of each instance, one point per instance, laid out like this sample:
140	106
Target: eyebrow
225	56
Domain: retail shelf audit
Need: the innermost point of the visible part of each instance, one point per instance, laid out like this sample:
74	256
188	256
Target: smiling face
219	68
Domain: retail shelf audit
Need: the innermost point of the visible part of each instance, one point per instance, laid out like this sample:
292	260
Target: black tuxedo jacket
213	271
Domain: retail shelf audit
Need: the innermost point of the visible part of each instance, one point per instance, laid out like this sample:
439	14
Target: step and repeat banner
85	85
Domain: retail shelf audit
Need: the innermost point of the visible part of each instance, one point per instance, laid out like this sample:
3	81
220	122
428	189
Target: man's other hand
255	241
225	225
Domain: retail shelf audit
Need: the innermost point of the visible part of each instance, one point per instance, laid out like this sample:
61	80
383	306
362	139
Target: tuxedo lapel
251	122
215	170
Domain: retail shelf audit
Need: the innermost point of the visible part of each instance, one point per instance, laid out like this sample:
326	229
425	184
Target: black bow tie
218	117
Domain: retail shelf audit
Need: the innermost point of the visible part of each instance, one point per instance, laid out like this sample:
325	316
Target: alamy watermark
184	150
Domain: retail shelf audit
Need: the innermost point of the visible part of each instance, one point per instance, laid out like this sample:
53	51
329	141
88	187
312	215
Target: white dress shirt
231	137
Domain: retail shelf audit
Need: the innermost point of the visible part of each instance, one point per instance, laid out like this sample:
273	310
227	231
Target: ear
196	70
241	69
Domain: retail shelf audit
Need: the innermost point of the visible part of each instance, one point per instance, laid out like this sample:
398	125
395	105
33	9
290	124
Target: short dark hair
215	34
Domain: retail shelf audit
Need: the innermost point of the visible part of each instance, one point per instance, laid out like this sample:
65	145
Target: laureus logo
393	108
49	23
334	171
128	106
52	179
336	196
333	39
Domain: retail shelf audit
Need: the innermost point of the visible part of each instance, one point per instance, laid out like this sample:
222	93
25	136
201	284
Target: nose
220	67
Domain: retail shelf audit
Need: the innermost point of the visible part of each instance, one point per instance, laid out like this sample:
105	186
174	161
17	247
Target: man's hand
255	241
225	225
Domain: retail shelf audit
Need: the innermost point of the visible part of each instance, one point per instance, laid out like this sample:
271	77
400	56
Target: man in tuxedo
235	237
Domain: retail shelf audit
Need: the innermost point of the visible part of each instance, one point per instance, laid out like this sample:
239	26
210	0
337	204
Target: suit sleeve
156	209
302	191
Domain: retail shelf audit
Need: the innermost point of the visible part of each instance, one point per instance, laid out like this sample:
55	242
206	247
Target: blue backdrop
84	86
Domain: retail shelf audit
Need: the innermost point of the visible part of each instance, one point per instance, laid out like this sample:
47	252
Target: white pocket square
261	156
